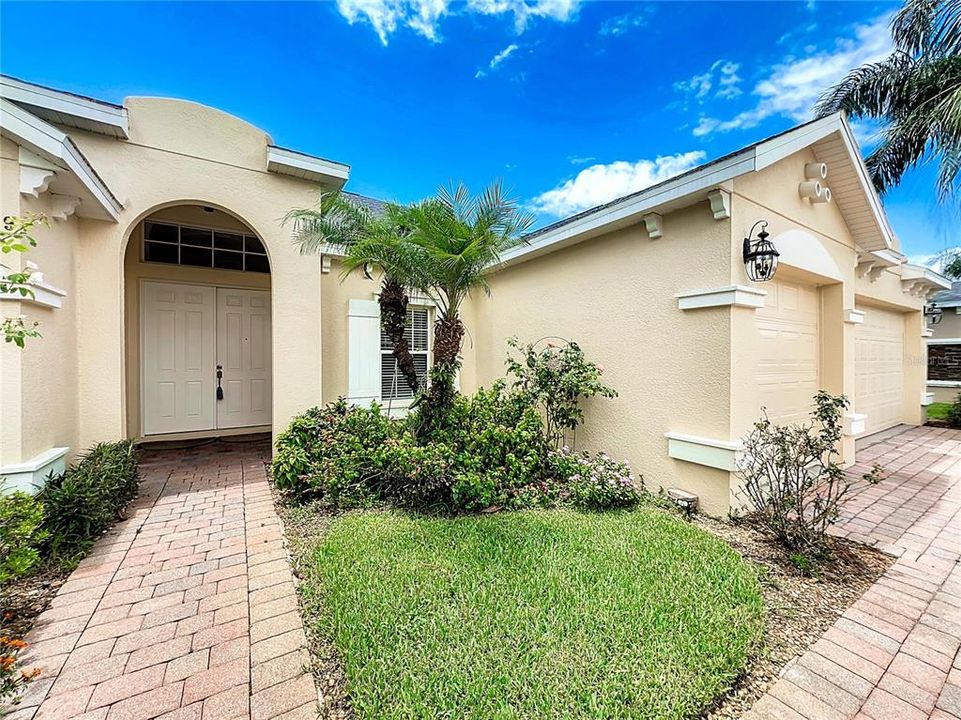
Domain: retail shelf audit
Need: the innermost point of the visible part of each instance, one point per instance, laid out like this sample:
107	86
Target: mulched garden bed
800	608
22	600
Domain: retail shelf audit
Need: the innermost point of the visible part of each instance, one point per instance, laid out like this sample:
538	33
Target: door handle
220	375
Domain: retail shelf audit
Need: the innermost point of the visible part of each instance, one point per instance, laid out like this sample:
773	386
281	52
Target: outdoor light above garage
760	257
933	313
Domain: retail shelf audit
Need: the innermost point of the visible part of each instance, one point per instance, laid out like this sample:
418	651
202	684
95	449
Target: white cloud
722	75
498	59
424	16
621	24
579	160
792	87
599	184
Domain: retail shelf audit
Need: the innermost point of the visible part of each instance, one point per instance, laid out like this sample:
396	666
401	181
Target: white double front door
190	335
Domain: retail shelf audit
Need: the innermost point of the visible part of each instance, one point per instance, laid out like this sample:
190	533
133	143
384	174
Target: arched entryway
198	325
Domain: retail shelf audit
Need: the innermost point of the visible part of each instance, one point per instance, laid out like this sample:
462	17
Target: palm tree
916	92
367	239
457	238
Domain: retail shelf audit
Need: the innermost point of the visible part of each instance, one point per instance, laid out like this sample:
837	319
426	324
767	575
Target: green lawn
533	614
938	411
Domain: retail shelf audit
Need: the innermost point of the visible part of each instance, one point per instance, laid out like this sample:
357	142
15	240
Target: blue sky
570	103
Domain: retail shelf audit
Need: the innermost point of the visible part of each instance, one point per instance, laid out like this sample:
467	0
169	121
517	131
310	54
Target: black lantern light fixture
933	313
760	257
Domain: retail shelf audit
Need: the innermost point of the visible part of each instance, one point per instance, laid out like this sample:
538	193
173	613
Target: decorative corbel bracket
720	200
34	181
864	267
36	173
325	264
63	206
654	224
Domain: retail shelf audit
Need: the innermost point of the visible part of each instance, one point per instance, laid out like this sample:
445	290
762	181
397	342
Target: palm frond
873	90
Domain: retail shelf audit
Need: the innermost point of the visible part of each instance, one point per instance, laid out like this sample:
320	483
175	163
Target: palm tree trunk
435	403
393	317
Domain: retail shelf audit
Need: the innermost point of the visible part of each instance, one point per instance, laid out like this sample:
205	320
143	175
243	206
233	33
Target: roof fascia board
55	146
647	200
778	148
282	160
112	117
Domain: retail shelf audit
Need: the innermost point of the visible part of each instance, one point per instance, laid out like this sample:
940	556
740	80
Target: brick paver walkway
894	655
185	610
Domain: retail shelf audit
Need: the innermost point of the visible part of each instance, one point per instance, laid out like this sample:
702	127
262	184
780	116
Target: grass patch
533	614
938	411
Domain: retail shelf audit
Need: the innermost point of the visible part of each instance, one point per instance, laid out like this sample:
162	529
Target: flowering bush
595	483
555	379
489	450
12	678
791	477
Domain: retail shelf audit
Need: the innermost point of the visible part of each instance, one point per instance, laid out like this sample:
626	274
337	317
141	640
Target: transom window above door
175	244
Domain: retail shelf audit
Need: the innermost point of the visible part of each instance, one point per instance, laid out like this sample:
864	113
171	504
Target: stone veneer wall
944	362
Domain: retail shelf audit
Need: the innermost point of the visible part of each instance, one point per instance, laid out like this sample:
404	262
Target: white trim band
43	294
736	295
944	383
720	454
944	341
854	423
29	476
854	317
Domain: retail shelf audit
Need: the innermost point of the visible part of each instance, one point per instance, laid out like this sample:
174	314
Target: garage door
879	368
787	372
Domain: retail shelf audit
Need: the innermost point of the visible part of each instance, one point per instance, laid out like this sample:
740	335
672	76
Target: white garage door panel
787	372
879	368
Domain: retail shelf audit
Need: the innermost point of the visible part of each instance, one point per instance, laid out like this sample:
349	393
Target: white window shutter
363	351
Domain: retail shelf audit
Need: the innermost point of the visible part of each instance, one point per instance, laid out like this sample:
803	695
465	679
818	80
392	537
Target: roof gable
830	137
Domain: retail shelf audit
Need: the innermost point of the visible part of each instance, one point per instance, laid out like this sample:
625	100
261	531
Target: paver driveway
185	610
894	655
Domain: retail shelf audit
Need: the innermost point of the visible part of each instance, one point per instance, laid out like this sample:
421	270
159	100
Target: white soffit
54	146
307	167
919	272
831	134
63	108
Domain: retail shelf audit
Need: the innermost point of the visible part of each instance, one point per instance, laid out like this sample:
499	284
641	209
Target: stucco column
296	322
915	366
100	333
837	354
11	357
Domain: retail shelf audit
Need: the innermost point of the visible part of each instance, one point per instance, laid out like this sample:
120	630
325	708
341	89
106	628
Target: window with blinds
393	386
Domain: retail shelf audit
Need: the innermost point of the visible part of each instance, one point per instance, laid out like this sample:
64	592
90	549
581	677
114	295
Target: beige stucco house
166	261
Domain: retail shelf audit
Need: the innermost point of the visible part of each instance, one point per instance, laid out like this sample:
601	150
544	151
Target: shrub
556	379
791	477
954	412
497	433
81	503
411	474
595	483
21	517
329	452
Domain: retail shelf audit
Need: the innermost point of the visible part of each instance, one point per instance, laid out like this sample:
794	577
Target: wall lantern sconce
933	313
760	257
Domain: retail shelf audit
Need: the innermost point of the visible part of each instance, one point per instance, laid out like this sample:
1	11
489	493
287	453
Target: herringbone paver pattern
185	610
894	655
